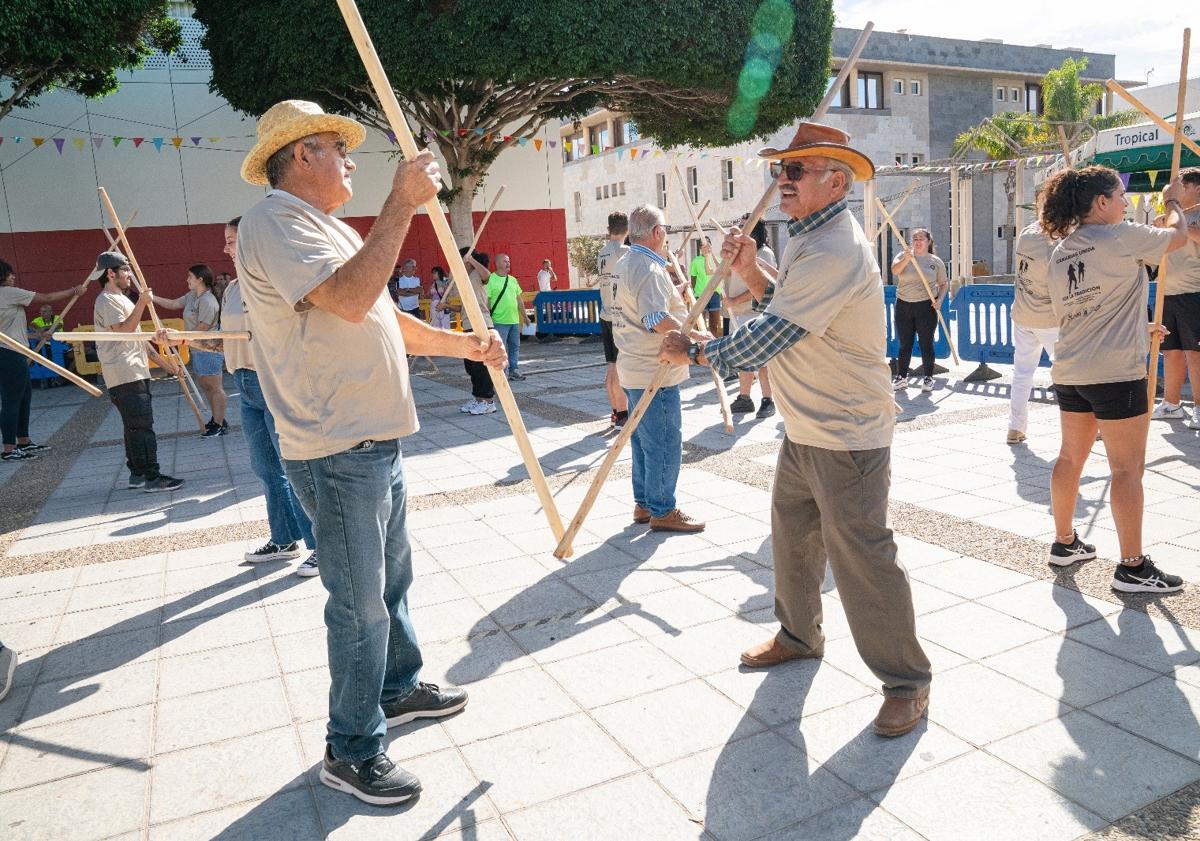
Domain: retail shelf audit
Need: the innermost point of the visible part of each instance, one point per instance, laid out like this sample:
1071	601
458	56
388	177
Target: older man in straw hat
330	349
822	329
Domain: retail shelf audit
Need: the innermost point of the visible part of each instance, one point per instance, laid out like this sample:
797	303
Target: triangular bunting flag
633	154
568	146
1152	174
391	136
117	141
17	139
138	141
38	141
620	154
1125	179
213	139
523	141
479	132
507	137
58	142
176	142
158	142
537	144
487	138
462	132
445	132
1	140
595	148
1137	200
78	143
553	143
195	141
97	142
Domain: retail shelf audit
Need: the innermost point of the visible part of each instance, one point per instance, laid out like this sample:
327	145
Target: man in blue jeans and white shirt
646	306
330	349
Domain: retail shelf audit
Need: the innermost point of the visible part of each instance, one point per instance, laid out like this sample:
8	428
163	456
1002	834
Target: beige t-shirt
1031	295
833	386
201	309
606	262
735	285
481	295
1183	264
234	318
1100	300
330	384
642	288
13	302
120	362
908	282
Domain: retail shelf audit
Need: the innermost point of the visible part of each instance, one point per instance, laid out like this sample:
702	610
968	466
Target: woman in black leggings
915	314
16	390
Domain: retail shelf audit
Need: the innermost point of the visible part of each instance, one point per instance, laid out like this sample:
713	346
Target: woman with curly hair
1099	299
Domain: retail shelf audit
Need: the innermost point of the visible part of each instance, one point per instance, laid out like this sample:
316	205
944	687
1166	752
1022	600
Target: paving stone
70	698
976	631
667	612
785	693
586	632
292	808
860	819
216	668
1144	640
220	714
509	701
712	647
969	577
1049	606
614	674
1071	671
981	706
1164	711
102	804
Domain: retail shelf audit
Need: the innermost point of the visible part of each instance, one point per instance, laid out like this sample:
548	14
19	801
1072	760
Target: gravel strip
1174	818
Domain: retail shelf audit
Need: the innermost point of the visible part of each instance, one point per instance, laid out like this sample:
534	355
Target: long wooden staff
458	270
25	351
896	209
180	335
478	234
1116	88
143	287
921	274
1176	154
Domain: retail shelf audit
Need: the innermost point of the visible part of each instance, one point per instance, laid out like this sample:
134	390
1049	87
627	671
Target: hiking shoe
1168	411
1015	436
927	385
766	409
274	552
18	455
428	700
136	480
484	407
468	407
899	383
676	521
1146	578
33	448
742	405
162	483
308	568
377	780
8	665
1065	554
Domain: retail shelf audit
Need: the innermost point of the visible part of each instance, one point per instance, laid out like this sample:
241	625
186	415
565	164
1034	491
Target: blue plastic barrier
55	351
941	348
574	312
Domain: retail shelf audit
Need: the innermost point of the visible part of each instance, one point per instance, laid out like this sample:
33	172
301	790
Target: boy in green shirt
698	269
508	311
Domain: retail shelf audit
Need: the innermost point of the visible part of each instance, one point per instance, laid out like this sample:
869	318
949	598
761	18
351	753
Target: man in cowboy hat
822	328
330	348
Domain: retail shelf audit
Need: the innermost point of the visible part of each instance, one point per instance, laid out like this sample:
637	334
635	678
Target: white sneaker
1168	411
1194	420
927	385
469	407
899	383
484	407
308	567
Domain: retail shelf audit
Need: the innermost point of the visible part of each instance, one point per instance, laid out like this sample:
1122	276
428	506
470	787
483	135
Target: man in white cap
330	348
822	328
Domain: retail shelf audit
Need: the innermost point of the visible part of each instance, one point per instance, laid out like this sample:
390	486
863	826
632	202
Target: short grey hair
838	166
280	162
643	219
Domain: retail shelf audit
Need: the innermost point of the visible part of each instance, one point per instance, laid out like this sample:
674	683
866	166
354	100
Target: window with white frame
1001	94
605	191
901	159
898	87
622	186
1014	95
614	190
727	179
661	183
917	158
914	87
693	182
598	195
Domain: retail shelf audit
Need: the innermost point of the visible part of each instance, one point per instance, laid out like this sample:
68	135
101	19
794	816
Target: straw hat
814	139
289	121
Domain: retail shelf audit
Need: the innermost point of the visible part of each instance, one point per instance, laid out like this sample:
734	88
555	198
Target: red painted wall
48	260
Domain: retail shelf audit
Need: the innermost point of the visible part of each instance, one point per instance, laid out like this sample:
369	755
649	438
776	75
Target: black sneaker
31	447
211	430
377	780
765	409
742	405
274	552
426	701
18	455
136	480
1146	578
1065	554
162	483
224	428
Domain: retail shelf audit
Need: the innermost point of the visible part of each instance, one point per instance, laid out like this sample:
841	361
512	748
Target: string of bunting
1035	161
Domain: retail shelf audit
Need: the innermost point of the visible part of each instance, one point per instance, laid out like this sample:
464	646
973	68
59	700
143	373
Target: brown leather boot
772	653
641	515
677	521
898	716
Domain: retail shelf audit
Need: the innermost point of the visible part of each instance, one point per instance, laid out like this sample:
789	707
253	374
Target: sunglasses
794	171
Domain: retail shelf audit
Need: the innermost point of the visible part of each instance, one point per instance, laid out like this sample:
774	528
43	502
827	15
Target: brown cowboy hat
815	139
288	121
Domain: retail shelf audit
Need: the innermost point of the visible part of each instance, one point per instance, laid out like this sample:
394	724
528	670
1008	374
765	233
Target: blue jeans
511	334
356	499
287	519
657	450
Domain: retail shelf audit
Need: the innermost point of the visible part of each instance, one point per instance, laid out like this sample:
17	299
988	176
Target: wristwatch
694	352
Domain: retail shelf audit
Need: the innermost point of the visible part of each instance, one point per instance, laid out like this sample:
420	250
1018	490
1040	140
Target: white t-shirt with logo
606	262
1031	295
643	288
1100	299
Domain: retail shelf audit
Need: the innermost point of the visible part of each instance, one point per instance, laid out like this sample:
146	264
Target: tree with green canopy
475	76
77	46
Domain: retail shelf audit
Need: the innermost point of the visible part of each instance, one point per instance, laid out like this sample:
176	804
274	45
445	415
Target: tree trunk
460	209
1010	222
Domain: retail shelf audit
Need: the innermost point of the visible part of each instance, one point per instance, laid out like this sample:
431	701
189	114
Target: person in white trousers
1034	325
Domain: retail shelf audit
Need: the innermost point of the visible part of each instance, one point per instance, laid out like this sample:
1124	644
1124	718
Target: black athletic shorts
1107	401
606	335
1181	315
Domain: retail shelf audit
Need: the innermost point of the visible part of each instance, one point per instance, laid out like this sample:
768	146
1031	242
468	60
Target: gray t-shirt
120	362
235	318
642	288
13	302
908	282
1100	300
833	386
1031	295
201	309
330	384
735	285
1183	264
606	261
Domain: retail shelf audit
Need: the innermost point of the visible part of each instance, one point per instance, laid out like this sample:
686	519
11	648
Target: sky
1140	42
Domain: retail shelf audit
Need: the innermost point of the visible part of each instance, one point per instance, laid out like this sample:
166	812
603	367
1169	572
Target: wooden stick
1116	88
921	274
1176	154
836	88
478	233
24	350
635	417
184	379
687	237
907	193
181	335
1066	147
458	270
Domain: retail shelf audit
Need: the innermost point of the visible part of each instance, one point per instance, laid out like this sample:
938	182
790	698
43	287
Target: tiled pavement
181	694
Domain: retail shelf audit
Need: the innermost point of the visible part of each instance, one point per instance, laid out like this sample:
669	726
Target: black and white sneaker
428	700
274	552
211	429
31	447
162	483
136	480
1146	578
1065	554
18	455
766	409
927	385
309	568
377	780
899	383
